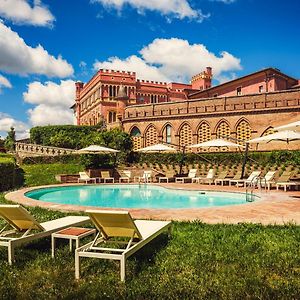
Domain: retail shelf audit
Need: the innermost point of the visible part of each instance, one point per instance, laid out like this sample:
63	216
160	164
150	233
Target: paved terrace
273	208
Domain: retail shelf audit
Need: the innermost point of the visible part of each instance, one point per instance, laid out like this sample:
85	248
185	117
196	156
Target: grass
198	261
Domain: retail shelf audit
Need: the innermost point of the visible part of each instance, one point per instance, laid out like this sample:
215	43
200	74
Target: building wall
193	121
268	80
95	99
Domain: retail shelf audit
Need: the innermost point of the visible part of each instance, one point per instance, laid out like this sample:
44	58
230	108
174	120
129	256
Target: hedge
11	176
69	136
262	158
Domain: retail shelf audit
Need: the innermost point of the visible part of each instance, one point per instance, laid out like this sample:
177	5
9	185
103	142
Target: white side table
71	233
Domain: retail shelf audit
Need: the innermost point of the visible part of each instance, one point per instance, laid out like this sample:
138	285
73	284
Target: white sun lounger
20	225
251	180
115	224
192	174
86	178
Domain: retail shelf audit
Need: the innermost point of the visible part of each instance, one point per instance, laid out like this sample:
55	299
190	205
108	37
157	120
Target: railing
23	148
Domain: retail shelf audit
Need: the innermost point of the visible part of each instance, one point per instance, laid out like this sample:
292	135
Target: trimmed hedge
262	158
11	176
66	136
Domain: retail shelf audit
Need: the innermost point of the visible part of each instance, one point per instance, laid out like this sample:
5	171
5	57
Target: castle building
185	114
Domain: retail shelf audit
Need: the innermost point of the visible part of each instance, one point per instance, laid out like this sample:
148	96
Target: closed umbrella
157	148
95	149
290	126
284	136
216	143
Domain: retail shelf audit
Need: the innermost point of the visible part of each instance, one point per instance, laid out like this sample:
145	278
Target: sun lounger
221	177
105	176
86	178
251	180
267	180
284	181
168	175
22	227
146	177
126	176
208	179
192	174
237	176
113	225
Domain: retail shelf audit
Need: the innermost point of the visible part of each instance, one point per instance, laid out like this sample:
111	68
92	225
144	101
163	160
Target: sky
48	45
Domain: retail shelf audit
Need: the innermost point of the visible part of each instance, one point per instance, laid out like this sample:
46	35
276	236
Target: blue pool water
135	196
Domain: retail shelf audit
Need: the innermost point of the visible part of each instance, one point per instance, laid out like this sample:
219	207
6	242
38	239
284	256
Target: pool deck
275	207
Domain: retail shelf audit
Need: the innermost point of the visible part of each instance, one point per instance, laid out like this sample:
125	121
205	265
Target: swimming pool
136	196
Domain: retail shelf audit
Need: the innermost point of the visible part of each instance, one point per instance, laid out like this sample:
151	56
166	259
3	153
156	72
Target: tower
202	80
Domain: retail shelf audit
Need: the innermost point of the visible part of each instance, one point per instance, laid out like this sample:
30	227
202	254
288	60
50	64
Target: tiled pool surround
275	207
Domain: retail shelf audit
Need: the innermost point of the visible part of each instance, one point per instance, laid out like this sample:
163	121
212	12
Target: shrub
11	176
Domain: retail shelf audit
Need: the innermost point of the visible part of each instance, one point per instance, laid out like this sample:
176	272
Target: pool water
135	196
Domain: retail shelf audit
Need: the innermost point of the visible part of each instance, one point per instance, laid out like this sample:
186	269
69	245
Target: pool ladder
256	181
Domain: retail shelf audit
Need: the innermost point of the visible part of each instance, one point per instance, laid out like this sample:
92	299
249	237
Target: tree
10	140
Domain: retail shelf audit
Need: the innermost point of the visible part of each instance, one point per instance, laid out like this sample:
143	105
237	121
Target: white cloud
173	60
53	102
171	8
4	83
134	64
16	57
21	12
50	115
51	93
7	121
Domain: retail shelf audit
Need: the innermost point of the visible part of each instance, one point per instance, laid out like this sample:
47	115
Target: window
167	134
215	95
239	91
261	89
112	116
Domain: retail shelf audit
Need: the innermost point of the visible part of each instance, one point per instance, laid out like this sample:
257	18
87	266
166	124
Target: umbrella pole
182	160
245	159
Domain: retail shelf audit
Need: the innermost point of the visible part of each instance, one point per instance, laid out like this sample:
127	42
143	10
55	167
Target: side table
71	233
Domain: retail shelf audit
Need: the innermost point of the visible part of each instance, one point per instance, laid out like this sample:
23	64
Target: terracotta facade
198	120
186	114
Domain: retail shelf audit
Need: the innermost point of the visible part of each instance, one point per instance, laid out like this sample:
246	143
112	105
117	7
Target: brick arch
150	136
243	130
203	132
185	135
136	136
220	122
268	130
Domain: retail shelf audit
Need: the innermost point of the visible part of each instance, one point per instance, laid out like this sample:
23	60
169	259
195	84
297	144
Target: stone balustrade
40	150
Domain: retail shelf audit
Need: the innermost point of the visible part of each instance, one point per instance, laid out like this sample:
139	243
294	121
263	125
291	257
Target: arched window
222	131
203	134
151	136
167	134
136	137
243	131
269	130
185	136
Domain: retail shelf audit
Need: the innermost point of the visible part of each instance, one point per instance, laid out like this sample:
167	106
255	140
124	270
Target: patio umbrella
216	143
95	149
290	126
157	148
284	136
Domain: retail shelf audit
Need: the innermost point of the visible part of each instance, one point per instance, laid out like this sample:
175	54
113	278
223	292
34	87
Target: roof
243	77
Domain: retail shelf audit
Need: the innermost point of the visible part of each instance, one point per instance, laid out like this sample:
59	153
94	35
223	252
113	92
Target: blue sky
45	46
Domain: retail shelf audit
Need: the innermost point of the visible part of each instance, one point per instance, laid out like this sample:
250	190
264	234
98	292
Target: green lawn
198	261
